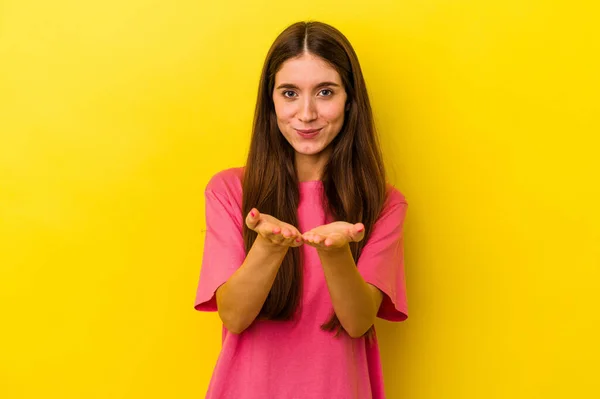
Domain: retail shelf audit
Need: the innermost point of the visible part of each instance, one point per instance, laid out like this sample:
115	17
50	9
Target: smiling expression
310	102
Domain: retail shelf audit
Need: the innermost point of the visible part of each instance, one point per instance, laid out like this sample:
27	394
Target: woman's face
309	102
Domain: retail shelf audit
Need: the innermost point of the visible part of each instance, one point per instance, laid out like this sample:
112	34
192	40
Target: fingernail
252	214
360	229
298	240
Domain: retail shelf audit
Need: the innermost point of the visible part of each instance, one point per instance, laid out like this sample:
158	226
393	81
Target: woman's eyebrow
293	86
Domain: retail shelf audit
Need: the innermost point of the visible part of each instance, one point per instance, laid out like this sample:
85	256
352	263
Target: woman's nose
308	111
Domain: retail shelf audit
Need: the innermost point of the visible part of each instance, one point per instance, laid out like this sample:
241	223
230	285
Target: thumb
358	232
252	218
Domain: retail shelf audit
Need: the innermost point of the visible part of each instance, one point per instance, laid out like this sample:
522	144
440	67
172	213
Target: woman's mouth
308	133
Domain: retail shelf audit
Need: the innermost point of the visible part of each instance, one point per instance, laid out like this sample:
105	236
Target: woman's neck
310	167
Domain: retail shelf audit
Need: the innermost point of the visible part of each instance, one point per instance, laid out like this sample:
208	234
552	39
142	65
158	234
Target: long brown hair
353	179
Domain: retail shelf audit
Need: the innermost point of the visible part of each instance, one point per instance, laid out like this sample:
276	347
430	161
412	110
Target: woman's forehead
306	71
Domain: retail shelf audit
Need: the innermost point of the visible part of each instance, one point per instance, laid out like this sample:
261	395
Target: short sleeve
381	262
223	250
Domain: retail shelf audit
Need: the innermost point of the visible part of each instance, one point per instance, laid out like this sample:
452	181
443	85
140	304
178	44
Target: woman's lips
308	133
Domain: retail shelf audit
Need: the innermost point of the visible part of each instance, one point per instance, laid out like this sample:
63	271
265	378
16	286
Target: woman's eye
289	94
326	92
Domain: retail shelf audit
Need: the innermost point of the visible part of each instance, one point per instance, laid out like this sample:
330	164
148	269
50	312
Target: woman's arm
241	298
355	302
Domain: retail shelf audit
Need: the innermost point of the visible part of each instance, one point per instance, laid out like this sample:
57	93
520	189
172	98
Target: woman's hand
334	235
272	230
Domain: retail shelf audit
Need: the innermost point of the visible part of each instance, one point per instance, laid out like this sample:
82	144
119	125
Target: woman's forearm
355	302
241	298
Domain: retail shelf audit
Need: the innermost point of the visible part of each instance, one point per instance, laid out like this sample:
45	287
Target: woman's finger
274	234
357	232
289	241
286	233
308	237
252	218
292	237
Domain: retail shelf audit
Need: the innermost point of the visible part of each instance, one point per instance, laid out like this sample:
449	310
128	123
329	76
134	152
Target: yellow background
114	115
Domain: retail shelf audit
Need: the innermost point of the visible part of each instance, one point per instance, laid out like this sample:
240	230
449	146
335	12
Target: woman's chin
308	151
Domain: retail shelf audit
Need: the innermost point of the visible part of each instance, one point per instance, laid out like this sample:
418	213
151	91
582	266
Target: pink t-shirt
296	359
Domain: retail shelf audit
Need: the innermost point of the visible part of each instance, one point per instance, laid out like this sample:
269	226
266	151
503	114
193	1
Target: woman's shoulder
395	205
394	196
227	182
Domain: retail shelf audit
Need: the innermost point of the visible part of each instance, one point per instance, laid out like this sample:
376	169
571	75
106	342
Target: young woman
304	245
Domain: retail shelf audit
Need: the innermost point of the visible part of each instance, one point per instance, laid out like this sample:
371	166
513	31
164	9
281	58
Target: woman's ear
348	106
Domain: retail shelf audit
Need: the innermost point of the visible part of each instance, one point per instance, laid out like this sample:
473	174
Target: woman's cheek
282	110
333	111
287	112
